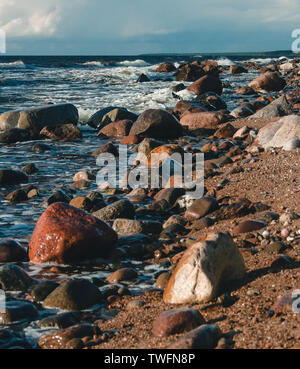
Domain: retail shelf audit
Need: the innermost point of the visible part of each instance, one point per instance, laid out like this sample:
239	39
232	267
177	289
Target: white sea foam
93	64
136	63
225	62
17	63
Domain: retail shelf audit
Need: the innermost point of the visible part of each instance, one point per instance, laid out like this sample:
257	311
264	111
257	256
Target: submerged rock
14	278
11	251
65	132
11	177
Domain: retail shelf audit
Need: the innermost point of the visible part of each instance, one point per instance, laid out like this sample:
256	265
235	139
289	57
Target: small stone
42	290
14	278
121	275
135	304
11	251
162	280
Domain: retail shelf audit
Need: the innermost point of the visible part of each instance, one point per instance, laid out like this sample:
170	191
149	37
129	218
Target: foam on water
136	63
225	62
17	63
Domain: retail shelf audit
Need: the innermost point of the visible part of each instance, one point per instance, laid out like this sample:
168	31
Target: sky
133	27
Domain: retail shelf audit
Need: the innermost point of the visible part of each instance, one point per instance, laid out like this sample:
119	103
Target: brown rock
117	129
130	140
165	68
176	321
237	69
124	274
201	207
208	120
65	234
11	251
64	132
270	81
248	226
225	131
206	84
189	72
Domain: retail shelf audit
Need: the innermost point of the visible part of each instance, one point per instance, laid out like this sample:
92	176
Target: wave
225	62
134	63
17	63
93	64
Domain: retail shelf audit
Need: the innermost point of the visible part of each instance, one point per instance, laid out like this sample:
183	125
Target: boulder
156	123
11	251
237	69
35	119
204	270
143	78
206	84
176	321
284	133
270	81
97	117
189	73
74	294
121	275
12	177
116	115
206	120
65	234
201	207
117	129
64	132
118	209
14	278
14	135
165	68
277	108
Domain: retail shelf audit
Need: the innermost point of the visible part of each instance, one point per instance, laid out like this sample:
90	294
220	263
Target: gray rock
35	119
277	108
14	278
59	321
18	311
11	177
129	226
42	290
118	209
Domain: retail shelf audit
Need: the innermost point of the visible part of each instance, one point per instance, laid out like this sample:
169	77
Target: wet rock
61	338
60	321
170	194
201	207
284	133
14	278
41	147
82	202
81	184
116	115
97	201
35	119
204	338
42	290
247	226
207	120
117	129
138	195
107	148
11	338
174	219
11	251
237	69
211	101
30	169
156	123
277	108
204	269
130	140
165	68
225	131
205	84
130	227
76	235
143	78
65	132
189	72
176	321
96	118
270	81
14	135
18	311
11	177
73	295
241	112
118	209
122	275
17	196
246	91
59	196
163	280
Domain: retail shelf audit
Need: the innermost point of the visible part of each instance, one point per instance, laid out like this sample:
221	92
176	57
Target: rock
147	145
14	278
65	132
11	251
204	270
286	303
76	235
130	227
201	207
203	338
270	81
74	295
211	101
138	195
245	91
17	196
206	84
12	177
117	129
241	112
59	321
247	226
63	338
189	73
41	147
163	280
143	78
130	140
275	248
82	202
30	169
83	175
281	262
156	123
81	184
14	135
18	311
42	290
207	120
35	119
107	148
237	69
170	194
277	108
96	118
175	219
165	68
176	321
116	115
135	304
284	133
225	131
10	339
124	274
118	209
59	196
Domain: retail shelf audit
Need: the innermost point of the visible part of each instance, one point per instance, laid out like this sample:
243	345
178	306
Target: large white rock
284	133
203	269
37	118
